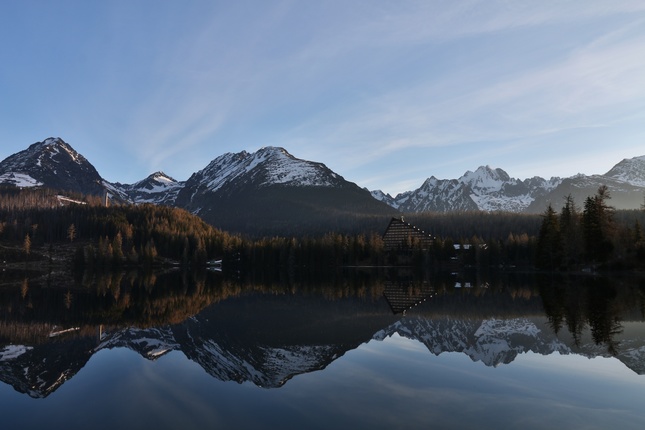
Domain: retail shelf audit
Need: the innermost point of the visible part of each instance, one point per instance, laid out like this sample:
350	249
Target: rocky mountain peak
631	171
53	163
485	177
160	177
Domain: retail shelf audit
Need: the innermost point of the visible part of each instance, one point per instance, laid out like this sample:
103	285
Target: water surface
363	351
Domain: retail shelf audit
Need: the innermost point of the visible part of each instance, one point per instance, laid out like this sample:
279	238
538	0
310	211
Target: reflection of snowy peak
40	370
226	360
492	342
499	341
238	355
264	366
151	343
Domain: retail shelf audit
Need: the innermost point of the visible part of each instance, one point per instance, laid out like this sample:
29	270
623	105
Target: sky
385	93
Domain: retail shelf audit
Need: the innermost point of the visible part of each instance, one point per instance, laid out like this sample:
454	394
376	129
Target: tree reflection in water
268	330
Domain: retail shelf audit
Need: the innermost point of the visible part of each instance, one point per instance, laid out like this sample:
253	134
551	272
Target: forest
40	227
37	224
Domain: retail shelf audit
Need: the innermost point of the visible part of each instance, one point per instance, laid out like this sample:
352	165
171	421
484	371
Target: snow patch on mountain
286	169
385	198
51	163
486	189
631	171
20	180
267	166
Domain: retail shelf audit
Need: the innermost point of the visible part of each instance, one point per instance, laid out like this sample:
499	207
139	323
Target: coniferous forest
40	227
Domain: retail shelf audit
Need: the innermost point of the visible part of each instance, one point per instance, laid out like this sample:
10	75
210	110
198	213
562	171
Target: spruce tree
549	247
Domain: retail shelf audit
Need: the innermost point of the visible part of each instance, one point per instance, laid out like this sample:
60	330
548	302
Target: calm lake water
358	350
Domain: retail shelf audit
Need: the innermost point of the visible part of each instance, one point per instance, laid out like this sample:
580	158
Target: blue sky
385	93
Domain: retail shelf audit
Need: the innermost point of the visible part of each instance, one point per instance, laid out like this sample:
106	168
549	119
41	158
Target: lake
362	349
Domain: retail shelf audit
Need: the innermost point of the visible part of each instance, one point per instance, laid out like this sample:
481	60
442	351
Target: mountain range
271	191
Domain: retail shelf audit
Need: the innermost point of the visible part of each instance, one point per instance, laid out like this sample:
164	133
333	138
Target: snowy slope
52	163
55	164
490	189
158	188
484	189
267	166
630	171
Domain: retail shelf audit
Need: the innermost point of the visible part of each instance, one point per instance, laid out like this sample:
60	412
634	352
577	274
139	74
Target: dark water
357	350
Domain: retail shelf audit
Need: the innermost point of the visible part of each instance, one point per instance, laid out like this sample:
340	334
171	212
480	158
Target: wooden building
403	236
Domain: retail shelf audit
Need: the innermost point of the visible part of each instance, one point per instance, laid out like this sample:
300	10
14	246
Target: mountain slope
489	189
630	171
54	164
272	192
266	167
625	182
484	189
158	188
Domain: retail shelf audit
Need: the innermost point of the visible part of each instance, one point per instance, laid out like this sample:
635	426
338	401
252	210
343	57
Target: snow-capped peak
53	146
487	188
157	188
485	177
161	177
52	163
631	171
267	166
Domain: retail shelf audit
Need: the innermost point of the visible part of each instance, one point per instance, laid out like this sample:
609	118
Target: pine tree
549	247
570	231
597	226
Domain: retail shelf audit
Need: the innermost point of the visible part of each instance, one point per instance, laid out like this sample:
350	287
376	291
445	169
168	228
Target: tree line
105	236
121	235
596	236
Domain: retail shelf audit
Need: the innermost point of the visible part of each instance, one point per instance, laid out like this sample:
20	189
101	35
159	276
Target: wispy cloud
357	85
585	87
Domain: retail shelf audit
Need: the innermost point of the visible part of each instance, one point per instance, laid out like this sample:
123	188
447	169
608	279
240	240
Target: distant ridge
489	189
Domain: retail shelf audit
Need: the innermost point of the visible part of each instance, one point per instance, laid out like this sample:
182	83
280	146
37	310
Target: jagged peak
485	176
380	194
161	176
53	146
431	182
49	142
55	141
639	159
272	150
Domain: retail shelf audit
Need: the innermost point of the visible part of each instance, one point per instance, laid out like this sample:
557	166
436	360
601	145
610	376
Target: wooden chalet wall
402	236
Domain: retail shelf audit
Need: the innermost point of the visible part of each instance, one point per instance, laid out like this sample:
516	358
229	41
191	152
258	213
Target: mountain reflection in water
270	333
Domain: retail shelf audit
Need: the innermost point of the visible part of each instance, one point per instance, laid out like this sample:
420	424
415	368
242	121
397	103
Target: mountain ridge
492	189
288	190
